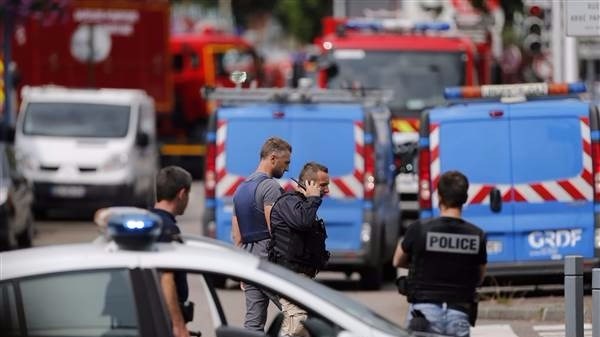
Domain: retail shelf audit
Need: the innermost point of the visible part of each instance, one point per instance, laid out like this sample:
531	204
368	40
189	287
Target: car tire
371	278
40	214
5	242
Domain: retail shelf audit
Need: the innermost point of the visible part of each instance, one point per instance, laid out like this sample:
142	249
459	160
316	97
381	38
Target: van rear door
474	140
552	176
331	134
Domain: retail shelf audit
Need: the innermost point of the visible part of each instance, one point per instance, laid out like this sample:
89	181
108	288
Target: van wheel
40	213
371	278
5	242
389	272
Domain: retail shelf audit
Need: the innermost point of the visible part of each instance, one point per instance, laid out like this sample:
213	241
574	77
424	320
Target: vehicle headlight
116	162
3	193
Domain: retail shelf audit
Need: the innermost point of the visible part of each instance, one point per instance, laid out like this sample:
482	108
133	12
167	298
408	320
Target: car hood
81	151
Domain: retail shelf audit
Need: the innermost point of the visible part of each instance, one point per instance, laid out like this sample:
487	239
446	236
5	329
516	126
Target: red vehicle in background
415	60
200	59
128	44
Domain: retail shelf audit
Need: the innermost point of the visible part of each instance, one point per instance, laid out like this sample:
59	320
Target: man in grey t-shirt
250	223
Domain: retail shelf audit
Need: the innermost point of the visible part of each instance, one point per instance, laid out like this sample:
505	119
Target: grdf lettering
554	239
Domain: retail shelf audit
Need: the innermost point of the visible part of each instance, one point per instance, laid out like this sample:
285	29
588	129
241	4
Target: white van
87	148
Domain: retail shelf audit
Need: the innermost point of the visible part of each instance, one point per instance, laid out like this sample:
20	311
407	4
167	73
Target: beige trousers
293	316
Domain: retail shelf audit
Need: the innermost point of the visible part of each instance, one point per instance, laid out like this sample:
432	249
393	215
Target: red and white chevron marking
341	187
579	187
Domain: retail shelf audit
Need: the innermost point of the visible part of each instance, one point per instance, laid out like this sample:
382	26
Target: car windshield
76	120
344	303
417	78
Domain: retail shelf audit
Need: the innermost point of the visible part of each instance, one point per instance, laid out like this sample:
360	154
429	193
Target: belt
464	307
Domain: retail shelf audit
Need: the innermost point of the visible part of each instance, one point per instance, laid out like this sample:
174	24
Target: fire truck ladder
291	95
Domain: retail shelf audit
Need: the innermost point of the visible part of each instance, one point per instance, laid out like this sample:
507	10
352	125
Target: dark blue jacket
170	232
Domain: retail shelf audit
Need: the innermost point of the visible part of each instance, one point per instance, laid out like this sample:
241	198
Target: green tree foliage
302	19
299	18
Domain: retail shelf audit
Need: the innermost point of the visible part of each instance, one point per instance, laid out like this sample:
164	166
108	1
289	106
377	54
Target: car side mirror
7	134
142	139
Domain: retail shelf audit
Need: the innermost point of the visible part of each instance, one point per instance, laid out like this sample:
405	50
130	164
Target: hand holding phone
299	184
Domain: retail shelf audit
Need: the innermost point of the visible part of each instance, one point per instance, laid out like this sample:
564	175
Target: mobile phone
299	183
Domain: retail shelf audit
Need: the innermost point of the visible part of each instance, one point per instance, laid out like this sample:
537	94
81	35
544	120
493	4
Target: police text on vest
452	243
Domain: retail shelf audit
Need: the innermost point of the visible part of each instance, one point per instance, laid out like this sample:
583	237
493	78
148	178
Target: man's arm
267	209
401	259
482	269
167	281
236	236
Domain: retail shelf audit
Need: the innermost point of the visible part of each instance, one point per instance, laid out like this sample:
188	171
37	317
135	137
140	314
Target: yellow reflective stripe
183	150
404	125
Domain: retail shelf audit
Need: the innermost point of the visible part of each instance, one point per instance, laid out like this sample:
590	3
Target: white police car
110	287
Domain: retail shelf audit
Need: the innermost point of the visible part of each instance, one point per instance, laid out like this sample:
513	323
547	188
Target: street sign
582	18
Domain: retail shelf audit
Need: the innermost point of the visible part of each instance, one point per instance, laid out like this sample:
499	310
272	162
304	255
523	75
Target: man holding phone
294	220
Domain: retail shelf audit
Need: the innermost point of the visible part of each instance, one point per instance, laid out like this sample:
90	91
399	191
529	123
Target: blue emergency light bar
363	24
133	228
514	90
395	25
435	26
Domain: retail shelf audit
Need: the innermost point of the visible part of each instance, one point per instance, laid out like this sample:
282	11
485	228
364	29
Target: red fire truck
127	44
415	60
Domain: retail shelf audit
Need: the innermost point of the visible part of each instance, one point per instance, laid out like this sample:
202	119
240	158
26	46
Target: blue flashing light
424	142
425	214
210	203
364	24
577	88
452	93
436	26
211	137
368	138
133	228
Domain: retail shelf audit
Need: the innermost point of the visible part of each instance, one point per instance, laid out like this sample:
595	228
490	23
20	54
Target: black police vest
424	290
251	218
300	251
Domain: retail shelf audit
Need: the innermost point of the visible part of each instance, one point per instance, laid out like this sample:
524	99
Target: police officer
298	237
173	185
446	258
251	222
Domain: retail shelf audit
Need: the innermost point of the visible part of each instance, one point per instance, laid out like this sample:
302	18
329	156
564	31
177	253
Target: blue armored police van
337	128
530	152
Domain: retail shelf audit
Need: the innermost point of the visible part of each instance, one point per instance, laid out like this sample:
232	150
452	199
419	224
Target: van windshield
76	120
